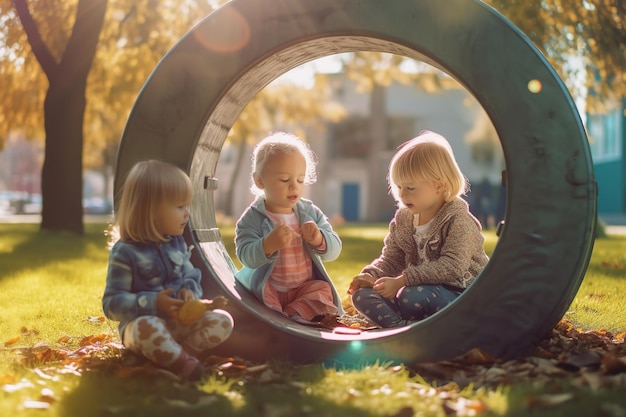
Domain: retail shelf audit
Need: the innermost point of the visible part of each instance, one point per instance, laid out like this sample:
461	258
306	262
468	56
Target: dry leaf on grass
549	400
12	341
593	359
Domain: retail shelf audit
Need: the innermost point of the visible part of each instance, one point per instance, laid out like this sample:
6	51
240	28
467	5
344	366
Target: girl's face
172	217
282	179
422	197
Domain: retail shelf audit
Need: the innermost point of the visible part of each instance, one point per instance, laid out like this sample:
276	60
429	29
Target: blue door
350	202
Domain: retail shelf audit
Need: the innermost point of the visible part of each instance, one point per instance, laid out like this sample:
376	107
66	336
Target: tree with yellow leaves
83	62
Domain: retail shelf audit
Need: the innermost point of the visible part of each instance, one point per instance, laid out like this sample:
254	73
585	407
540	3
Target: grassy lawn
59	357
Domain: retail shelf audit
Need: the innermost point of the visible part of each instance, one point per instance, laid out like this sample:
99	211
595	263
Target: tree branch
82	44
41	51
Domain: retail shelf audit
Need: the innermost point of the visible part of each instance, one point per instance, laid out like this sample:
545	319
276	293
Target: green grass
50	289
600	301
50	283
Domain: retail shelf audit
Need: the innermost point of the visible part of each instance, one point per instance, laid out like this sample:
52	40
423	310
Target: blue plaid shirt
138	271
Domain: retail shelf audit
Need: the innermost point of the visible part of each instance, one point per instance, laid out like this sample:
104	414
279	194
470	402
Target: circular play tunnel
195	94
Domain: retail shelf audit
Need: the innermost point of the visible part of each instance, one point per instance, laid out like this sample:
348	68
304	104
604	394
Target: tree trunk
64	109
61	177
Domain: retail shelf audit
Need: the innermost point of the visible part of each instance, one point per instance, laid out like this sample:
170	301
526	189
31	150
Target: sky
304	74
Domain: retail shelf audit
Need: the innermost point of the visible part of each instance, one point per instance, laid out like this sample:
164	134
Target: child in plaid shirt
150	274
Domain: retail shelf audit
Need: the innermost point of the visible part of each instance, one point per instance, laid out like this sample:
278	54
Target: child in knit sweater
434	247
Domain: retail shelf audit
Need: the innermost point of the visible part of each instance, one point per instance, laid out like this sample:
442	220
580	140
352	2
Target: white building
354	153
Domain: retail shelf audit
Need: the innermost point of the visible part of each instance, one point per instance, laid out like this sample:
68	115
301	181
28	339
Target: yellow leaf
12	341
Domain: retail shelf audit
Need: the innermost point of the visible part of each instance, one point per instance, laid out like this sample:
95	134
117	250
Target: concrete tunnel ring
194	95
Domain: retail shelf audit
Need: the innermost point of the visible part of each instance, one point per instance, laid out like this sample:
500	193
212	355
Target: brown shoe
327	321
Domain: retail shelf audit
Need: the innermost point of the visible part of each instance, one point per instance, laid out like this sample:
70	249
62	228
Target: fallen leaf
12	341
475	356
549	400
8	379
578	360
47	396
95	319
612	363
94	339
621	336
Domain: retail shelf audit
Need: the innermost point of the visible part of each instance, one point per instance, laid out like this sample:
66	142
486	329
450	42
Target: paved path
616	230
36	218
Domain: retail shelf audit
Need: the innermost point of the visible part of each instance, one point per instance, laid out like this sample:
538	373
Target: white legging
163	341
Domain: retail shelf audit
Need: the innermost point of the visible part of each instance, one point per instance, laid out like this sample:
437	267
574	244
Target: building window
604	139
351	138
401	129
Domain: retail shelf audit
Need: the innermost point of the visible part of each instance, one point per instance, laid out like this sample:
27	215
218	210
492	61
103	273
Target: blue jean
411	304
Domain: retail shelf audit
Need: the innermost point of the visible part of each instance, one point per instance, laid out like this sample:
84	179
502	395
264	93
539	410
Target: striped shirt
294	265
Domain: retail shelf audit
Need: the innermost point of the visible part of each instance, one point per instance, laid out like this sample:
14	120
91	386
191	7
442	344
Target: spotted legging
165	341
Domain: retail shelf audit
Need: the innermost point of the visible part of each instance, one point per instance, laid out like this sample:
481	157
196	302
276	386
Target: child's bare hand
311	234
278	238
388	287
186	294
216	302
361	281
167	305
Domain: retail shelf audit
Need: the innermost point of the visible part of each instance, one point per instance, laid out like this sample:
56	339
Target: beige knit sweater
454	249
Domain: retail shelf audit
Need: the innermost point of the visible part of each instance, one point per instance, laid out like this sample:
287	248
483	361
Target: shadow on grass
24	246
105	394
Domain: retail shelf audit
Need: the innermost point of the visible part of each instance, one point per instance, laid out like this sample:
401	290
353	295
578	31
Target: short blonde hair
148	185
279	143
427	157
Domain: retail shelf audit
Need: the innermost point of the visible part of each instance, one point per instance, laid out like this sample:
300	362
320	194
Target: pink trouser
313	298
164	341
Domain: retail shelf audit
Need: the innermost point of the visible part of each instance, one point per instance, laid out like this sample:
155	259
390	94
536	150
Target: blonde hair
279	143
148	185
427	157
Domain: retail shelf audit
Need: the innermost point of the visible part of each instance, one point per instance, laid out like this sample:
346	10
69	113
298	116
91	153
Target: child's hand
166	304
388	287
217	302
278	238
311	234
186	294
361	281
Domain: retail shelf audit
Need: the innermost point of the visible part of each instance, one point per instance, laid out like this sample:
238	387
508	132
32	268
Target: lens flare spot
229	34
534	86
356	346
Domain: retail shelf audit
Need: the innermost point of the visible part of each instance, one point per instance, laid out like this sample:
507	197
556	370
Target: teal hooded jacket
254	224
